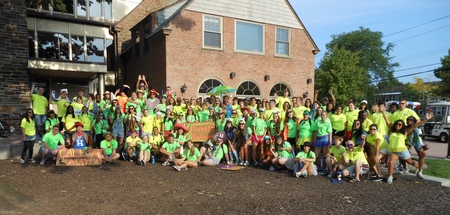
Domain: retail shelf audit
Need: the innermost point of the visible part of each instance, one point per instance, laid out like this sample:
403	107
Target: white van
438	127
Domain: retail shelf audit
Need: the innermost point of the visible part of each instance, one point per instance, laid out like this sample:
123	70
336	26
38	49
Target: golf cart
438	127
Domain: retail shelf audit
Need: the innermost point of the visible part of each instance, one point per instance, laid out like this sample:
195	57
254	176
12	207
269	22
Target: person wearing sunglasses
378	150
242	140
355	161
403	112
397	148
28	126
414	140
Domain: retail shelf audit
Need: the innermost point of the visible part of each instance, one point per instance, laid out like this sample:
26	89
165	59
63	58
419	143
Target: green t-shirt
145	147
39	104
260	126
292	128
220	151
49	123
323	128
100	127
303	154
170	147
337	152
306	128
108	146
203	115
273	127
220	124
168	124
137	106
338	121
180	139
187	154
284	153
52	140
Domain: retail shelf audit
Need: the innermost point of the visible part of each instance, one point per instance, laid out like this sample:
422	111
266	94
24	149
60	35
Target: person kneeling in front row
52	142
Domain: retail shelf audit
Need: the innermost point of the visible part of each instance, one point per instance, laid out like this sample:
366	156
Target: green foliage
339	71
443	73
60	5
373	64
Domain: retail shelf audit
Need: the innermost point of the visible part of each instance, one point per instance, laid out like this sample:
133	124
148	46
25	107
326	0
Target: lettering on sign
200	131
79	157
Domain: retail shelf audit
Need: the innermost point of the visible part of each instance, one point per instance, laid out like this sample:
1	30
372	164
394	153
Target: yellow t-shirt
86	120
403	115
357	154
69	121
366	125
338	121
281	100
61	109
157	123
30	127
397	142
378	119
351	116
39	104
372	139
132	141
157	140
148	123
298	111
337	152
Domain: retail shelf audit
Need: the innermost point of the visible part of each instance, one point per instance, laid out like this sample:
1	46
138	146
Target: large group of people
308	137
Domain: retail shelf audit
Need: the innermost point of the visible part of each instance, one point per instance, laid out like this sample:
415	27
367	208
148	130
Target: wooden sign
79	157
200	131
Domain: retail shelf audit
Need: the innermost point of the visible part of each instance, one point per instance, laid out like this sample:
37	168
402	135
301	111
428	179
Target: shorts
146	134
49	151
322	141
363	169
302	140
290	163
261	139
137	131
403	155
283	159
118	133
214	160
384	151
30	137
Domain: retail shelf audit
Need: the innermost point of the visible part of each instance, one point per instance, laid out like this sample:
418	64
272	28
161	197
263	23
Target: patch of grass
437	168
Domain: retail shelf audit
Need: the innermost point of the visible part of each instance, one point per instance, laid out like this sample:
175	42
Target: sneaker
260	163
390	179
39	142
185	168
255	163
165	163
298	174
331	175
419	174
304	174
21	161
171	158
124	156
42	162
376	179
177	168
229	162
241	163
31	161
405	171
131	160
246	163
272	168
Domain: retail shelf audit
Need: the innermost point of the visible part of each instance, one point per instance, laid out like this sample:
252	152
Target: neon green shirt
39	104
378	119
148	122
372	139
323	128
220	151
108	146
100	127
306	128
351	117
260	126
338	121
273	127
86	120
403	115
357	154
187	154
397	142
292	128
284	153
170	147
30	127
220	124
53	140
337	153
62	106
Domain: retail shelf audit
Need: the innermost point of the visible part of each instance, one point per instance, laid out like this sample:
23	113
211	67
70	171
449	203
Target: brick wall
134	17
14	78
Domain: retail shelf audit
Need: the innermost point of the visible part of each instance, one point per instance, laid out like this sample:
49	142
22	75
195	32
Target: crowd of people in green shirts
308	137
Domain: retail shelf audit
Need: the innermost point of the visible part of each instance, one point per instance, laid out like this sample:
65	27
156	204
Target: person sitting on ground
80	140
156	140
51	143
189	158
170	150
131	144
281	151
304	162
334	156
354	160
268	157
215	151
144	151
109	147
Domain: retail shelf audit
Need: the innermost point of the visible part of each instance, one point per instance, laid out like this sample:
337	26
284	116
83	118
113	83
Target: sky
417	50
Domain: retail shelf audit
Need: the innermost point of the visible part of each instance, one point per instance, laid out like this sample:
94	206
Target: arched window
248	88
279	89
207	85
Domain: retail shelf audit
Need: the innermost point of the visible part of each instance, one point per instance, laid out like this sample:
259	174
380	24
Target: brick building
259	47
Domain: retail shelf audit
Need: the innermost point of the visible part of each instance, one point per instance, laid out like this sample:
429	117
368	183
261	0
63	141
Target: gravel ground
125	188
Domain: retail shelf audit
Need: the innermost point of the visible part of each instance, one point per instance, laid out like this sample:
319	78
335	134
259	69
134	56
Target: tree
339	72
443	73
418	91
373	59
62	5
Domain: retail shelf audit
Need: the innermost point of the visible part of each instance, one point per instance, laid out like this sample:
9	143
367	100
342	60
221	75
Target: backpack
42	131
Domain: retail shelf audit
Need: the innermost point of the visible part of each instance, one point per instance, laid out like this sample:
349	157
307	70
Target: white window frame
263	38
289	42
221	32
